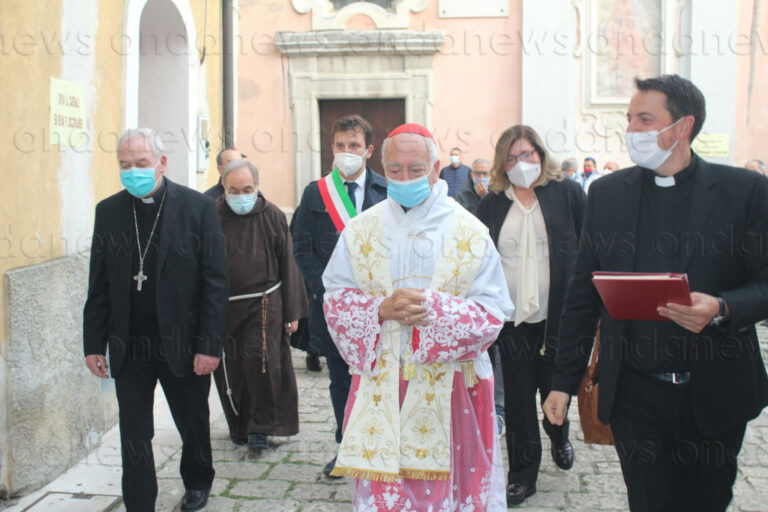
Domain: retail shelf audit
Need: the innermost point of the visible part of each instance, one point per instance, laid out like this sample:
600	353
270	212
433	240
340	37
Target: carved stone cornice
360	42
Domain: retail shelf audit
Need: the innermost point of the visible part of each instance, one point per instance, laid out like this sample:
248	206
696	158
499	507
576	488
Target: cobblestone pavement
287	476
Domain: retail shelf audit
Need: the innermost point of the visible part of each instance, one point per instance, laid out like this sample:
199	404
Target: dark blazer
727	255
191	273
562	206
215	191
468	198
314	238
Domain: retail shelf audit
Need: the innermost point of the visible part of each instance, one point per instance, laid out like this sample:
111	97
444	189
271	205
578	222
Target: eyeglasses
525	156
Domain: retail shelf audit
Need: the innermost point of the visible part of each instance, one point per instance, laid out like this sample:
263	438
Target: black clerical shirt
144	320
661	232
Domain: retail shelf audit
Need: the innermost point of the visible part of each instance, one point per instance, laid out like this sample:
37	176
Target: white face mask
524	174
644	150
347	163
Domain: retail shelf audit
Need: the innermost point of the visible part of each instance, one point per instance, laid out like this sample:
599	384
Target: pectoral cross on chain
139	278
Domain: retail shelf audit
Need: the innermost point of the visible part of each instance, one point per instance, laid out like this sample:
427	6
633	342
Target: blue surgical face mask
484	181
409	193
455	159
138	181
241	203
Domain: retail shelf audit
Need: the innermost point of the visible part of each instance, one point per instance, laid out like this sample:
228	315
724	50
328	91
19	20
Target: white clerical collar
664	181
147	200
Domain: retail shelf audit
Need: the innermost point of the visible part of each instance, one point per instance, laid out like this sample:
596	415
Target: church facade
468	70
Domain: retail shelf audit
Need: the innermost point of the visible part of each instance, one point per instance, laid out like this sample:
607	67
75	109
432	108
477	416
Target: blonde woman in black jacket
534	216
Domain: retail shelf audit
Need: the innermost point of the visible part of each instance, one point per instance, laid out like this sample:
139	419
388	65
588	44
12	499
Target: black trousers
667	463
341	381
526	371
188	400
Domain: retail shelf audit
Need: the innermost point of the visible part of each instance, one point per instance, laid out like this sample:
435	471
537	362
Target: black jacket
562	206
468	198
191	273
314	238
727	255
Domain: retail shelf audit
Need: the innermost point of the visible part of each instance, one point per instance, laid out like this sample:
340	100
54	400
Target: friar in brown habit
256	382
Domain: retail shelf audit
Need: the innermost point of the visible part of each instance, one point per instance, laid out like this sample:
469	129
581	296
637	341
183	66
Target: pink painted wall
476	82
751	123
264	127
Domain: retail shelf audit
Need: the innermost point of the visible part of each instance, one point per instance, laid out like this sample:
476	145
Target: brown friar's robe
260	254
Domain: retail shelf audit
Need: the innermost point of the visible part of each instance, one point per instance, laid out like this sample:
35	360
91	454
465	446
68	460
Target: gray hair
431	150
760	164
481	161
569	164
236	164
148	134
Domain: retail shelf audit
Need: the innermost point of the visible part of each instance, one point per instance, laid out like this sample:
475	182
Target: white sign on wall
473	8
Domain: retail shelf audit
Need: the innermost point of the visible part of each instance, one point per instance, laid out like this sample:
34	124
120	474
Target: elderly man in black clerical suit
678	394
157	299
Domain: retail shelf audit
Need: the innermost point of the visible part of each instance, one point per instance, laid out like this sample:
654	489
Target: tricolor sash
382	440
336	199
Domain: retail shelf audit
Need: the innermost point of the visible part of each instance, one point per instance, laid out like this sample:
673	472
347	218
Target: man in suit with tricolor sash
326	206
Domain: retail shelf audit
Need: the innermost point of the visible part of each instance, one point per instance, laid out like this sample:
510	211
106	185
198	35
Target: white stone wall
54	409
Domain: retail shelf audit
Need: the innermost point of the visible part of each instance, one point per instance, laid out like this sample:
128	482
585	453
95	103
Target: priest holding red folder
677	392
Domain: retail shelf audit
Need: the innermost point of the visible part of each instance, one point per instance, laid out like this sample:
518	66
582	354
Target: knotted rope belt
264	296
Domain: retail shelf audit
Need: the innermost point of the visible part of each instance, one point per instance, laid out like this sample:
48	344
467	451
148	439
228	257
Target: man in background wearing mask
325	208
570	168
678	393
589	174
456	174
222	159
475	187
414	296
256	382
157	297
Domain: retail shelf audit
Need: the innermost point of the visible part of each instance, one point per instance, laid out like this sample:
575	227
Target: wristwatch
721	316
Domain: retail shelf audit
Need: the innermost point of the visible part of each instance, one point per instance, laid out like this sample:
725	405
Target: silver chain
151	233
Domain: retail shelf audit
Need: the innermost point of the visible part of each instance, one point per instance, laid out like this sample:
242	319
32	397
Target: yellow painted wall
214	69
29	198
107	110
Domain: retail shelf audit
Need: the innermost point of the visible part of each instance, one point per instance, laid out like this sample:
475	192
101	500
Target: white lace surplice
459	329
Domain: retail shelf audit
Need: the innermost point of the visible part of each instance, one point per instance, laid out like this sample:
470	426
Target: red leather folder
635	296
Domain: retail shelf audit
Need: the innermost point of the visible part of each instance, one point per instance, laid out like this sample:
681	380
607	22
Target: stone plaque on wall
473	8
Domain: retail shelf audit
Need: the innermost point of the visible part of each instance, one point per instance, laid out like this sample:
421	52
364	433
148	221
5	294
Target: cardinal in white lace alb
415	294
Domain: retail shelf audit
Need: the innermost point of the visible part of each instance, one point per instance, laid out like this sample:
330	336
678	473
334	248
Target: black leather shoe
329	467
517	493
562	454
257	441
313	363
194	499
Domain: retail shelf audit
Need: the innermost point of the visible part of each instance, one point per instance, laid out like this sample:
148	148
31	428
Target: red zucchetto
411	128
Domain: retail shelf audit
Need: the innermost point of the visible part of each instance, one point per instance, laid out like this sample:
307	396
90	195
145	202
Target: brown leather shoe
517	493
